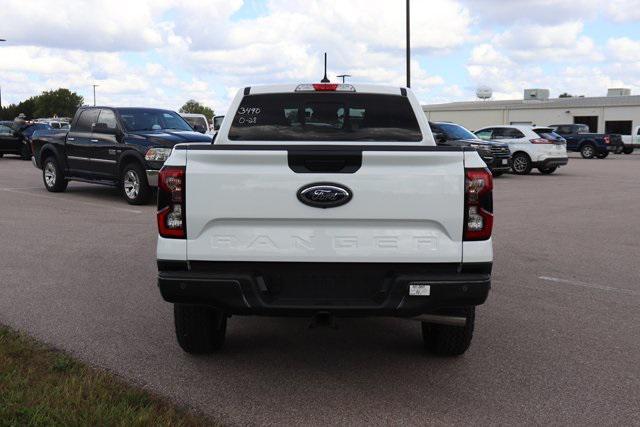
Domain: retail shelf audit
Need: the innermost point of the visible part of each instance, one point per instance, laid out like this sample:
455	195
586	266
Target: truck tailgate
242	205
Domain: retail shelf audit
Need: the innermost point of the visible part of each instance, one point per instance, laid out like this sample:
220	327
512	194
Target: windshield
452	131
138	119
193	121
329	116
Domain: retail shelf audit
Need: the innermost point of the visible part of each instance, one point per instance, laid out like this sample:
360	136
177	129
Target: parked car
531	147
54	123
122	147
198	122
302	207
496	155
632	141
15	139
589	145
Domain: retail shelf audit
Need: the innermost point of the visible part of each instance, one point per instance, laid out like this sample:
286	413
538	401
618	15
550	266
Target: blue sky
164	52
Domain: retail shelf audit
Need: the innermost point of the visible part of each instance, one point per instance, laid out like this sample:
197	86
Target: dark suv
496	155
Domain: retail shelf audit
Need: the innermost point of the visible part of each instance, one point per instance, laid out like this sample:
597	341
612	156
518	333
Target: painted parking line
589	285
66	199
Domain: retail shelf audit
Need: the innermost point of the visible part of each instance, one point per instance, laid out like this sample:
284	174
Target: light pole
1	40
408	45
94	94
343	76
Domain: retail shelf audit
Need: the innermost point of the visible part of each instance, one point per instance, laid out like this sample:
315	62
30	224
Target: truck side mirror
217	121
440	138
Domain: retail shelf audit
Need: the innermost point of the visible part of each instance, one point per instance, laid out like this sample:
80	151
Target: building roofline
520	104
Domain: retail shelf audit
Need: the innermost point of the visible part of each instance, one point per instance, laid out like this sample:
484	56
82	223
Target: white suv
531	147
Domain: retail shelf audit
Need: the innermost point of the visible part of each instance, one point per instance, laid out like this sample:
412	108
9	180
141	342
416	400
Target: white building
618	112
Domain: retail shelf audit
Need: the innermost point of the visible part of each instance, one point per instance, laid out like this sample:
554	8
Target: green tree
565	95
61	102
194	107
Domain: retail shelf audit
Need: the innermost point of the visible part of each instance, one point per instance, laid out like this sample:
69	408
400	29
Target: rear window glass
548	133
325	117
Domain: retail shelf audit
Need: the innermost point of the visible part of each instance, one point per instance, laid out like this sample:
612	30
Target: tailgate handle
325	161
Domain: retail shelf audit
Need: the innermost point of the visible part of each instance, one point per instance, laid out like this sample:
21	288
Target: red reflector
607	140
478	206
171	202
325	86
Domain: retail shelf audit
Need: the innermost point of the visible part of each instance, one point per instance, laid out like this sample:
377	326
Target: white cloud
624	10
548	43
84	24
623	49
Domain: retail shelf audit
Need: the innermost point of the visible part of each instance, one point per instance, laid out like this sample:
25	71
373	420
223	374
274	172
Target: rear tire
627	150
134	186
199	330
52	175
446	340
521	164
603	155
588	151
548	171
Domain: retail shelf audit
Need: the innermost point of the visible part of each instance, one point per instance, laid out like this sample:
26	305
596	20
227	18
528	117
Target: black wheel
200	330
627	150
25	152
446	340
521	164
53	176
497	173
548	171
133	182
587	151
603	155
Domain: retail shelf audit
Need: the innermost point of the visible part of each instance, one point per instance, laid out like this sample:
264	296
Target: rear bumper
301	289
616	149
551	162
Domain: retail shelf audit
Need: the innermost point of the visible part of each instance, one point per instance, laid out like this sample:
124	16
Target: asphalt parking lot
557	342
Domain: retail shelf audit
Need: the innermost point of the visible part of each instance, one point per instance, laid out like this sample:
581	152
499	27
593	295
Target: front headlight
480	147
157	154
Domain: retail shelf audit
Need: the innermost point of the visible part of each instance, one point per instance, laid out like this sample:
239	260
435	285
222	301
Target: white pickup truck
325	200
631	142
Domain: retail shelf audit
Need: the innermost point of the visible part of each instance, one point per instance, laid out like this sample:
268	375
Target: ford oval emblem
324	195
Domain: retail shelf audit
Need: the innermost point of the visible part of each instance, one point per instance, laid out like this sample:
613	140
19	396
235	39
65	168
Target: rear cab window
331	116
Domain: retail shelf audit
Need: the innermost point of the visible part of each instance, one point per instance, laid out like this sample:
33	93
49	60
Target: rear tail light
607	140
540	141
171	202
325	87
478	204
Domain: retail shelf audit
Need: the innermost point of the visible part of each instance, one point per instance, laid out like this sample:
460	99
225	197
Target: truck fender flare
49	148
588	141
128	157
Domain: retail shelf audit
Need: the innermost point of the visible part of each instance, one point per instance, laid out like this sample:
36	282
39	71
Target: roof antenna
325	79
